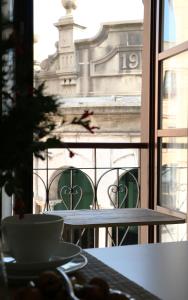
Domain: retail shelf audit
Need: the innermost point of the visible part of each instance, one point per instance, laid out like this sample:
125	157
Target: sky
90	13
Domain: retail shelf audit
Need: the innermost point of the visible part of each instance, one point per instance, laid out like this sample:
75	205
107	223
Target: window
171	113
133	75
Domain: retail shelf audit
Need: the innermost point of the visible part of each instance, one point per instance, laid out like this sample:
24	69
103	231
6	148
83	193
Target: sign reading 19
130	60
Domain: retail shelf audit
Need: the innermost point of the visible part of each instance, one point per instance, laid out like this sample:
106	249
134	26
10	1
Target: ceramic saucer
76	263
64	253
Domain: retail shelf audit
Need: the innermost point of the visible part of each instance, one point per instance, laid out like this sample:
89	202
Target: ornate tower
68	31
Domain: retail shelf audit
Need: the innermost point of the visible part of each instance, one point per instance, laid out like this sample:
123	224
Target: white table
161	269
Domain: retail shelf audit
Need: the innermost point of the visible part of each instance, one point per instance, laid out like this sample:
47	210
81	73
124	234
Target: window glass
175	23
173	192
173	233
174	92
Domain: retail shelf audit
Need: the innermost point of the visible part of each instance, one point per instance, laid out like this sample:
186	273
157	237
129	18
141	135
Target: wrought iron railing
114	184
90	188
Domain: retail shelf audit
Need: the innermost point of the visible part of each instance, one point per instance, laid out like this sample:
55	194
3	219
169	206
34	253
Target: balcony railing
101	176
88	188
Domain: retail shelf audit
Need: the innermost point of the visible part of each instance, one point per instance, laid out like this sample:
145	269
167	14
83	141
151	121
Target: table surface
160	268
118	216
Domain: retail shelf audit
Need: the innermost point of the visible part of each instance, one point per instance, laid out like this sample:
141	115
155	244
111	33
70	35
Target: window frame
23	21
162	55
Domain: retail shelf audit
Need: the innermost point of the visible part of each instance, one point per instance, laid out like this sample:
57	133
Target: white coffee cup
32	238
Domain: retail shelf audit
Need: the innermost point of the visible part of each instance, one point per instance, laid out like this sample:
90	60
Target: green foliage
30	114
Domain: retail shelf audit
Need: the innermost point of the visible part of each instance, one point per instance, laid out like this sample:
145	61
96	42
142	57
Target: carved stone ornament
45	64
69	5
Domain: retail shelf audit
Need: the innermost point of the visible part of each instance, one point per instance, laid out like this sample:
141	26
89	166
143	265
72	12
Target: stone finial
69	5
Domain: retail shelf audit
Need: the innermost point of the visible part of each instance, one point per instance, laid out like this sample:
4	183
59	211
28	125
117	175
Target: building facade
103	74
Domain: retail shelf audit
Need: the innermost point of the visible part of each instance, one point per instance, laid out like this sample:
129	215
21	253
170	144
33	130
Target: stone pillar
67	65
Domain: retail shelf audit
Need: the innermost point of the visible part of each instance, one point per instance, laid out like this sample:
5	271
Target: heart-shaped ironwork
116	190
72	191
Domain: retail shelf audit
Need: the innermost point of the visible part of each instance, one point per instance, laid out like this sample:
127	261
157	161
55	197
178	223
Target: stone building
102	74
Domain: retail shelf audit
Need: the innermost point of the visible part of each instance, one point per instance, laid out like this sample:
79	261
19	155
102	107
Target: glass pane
173	233
173	175
174	92
175	23
90	57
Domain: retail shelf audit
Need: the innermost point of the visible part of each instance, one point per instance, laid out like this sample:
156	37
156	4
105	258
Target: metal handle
68	285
